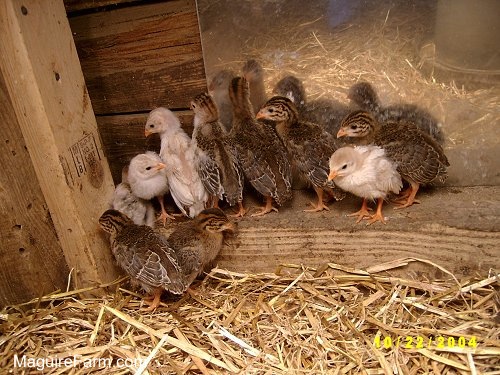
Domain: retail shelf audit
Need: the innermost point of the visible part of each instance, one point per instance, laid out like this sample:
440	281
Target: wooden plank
123	138
78	5
138	58
31	259
458	228
45	83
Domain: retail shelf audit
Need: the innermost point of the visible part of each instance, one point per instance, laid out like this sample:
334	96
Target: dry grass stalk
305	320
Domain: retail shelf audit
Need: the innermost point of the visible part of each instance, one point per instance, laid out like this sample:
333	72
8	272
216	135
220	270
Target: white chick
365	171
147	179
177	152
141	211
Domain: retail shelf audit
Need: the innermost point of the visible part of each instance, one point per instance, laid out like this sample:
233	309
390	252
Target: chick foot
378	216
320	205
363	212
411	197
267	208
241	211
153	305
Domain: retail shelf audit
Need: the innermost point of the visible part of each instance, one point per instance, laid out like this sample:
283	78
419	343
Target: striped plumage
309	145
144	255
261	154
198	242
325	112
364	95
420	159
217	163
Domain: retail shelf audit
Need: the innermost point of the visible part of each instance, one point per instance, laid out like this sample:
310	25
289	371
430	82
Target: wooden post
39	63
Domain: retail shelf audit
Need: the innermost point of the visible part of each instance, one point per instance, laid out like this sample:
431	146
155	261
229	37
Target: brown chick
215	154
364	95
262	156
198	242
254	74
144	255
309	145
218	89
325	112
419	158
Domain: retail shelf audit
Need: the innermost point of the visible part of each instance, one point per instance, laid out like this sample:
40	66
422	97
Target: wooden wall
136	56
31	257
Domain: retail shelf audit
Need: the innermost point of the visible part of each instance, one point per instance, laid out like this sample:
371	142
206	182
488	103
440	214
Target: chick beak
160	166
332	175
260	115
147	133
341	133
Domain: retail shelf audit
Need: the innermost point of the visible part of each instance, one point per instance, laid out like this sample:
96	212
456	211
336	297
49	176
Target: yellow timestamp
421	342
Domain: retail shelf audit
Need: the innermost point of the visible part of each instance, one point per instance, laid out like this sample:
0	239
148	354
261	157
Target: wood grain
138	58
31	259
123	138
77	5
45	83
457	228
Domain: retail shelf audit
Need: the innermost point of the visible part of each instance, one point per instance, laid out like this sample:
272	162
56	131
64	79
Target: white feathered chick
147	178
141	211
177	153
365	171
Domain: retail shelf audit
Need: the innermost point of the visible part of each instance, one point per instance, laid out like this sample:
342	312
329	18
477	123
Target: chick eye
271	110
148	168
344	166
151	125
354	127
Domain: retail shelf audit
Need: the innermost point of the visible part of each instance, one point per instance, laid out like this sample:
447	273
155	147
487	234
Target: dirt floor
332	44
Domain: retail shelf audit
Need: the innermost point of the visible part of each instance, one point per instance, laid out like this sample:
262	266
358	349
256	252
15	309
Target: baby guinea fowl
177	153
254	74
218	89
327	113
216	155
147	179
261	154
141	211
144	255
308	144
419	158
366	172
198	242
364	95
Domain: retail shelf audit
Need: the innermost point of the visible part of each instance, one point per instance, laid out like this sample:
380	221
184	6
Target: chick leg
363	212
164	215
403	195
320	206
241	212
378	215
267	208
411	198
156	301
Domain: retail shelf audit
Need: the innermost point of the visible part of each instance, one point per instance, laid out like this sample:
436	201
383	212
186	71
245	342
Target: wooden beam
40	66
31	260
457	228
141	57
123	138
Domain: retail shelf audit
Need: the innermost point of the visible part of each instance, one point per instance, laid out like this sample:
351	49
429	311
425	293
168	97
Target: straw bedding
297	320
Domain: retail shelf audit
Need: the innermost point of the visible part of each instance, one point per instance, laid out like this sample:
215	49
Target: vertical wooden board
141	57
123	138
31	260
40	66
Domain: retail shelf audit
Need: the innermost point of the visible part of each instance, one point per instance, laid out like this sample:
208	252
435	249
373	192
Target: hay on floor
299	320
